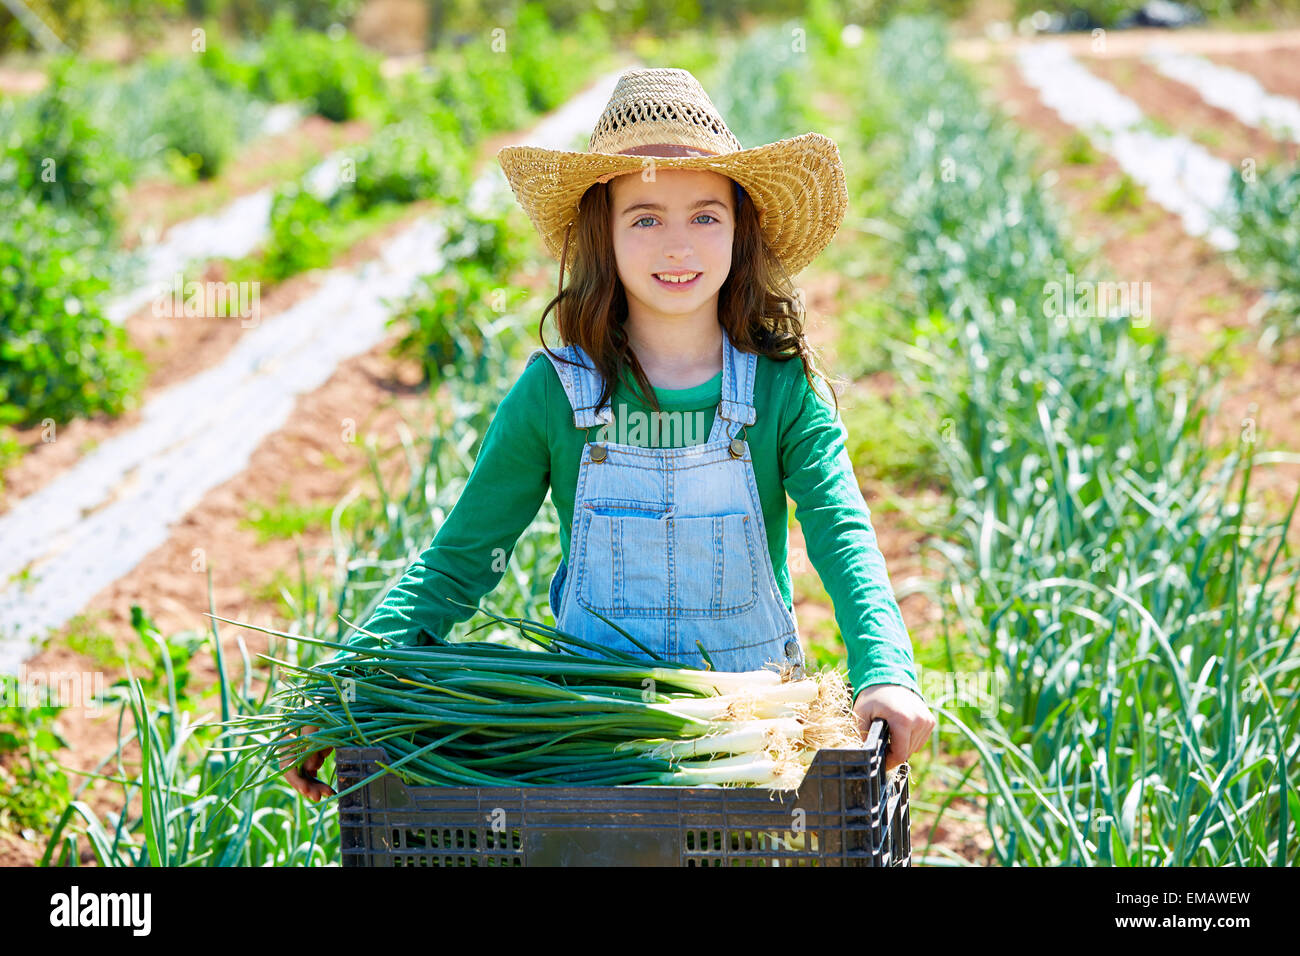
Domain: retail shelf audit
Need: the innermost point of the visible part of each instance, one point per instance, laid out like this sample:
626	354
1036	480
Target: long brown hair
757	304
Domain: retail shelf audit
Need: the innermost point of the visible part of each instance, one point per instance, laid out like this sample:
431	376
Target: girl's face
681	221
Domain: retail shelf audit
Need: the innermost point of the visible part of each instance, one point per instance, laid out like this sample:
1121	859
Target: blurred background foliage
430	24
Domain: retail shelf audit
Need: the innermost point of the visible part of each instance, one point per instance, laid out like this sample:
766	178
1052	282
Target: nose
678	247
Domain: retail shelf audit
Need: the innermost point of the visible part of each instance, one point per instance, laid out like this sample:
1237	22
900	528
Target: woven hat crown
656	106
797	185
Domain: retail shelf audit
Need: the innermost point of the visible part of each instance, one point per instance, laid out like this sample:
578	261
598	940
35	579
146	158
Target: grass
285	519
83	635
11	452
1123	193
1077	150
885	442
35	788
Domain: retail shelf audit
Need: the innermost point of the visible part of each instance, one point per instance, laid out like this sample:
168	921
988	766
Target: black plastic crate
844	813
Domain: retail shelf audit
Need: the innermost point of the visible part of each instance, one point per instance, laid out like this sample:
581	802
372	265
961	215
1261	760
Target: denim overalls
669	543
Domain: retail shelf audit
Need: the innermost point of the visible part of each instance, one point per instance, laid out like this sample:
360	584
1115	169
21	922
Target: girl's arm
841	542
471	550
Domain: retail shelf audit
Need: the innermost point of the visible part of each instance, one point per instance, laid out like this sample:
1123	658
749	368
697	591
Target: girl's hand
910	721
304	780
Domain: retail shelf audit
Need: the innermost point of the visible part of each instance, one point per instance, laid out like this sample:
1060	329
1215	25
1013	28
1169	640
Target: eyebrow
656	207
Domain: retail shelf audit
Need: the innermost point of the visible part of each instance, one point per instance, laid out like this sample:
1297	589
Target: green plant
490	713
443	323
1099	564
418	157
539	55
1083	13
186	91
60	356
34	787
1078	150
1124	194
301	224
1264	212
333	72
196	806
59	152
285	519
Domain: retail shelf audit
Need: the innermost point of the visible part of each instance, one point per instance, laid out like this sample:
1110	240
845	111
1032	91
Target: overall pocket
657	567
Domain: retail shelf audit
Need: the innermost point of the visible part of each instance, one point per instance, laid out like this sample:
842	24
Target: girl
680	314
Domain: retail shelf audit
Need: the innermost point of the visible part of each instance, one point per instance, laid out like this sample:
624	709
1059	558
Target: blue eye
651	218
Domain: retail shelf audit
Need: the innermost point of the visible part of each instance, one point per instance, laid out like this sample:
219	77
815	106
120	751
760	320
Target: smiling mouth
677	281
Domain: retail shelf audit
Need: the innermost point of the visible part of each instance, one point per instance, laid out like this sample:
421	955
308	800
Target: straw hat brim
796	184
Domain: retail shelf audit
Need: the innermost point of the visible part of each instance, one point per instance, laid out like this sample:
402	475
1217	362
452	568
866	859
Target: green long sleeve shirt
797	445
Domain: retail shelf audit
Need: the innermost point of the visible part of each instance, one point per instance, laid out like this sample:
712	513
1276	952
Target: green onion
477	713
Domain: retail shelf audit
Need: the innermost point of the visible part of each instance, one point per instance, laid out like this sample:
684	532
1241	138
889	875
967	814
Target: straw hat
797	184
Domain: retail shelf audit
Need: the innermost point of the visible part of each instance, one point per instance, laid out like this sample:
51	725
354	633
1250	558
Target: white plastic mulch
94	523
1177	173
233	231
1232	90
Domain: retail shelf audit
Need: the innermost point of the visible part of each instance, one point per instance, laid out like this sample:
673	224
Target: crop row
1129	604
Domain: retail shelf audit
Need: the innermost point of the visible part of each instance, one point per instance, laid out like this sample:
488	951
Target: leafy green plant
1081	13
186	92
300	230
333	72
284	519
60	153
34	787
418	157
60	357
201	805
11	451
536	58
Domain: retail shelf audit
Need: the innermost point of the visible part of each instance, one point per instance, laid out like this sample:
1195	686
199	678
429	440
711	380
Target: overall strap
582	385
738	370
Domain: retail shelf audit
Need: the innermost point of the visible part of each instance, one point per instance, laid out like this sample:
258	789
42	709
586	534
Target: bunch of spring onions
570	713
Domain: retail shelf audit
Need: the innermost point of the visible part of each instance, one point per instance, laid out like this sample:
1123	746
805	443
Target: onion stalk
476	713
